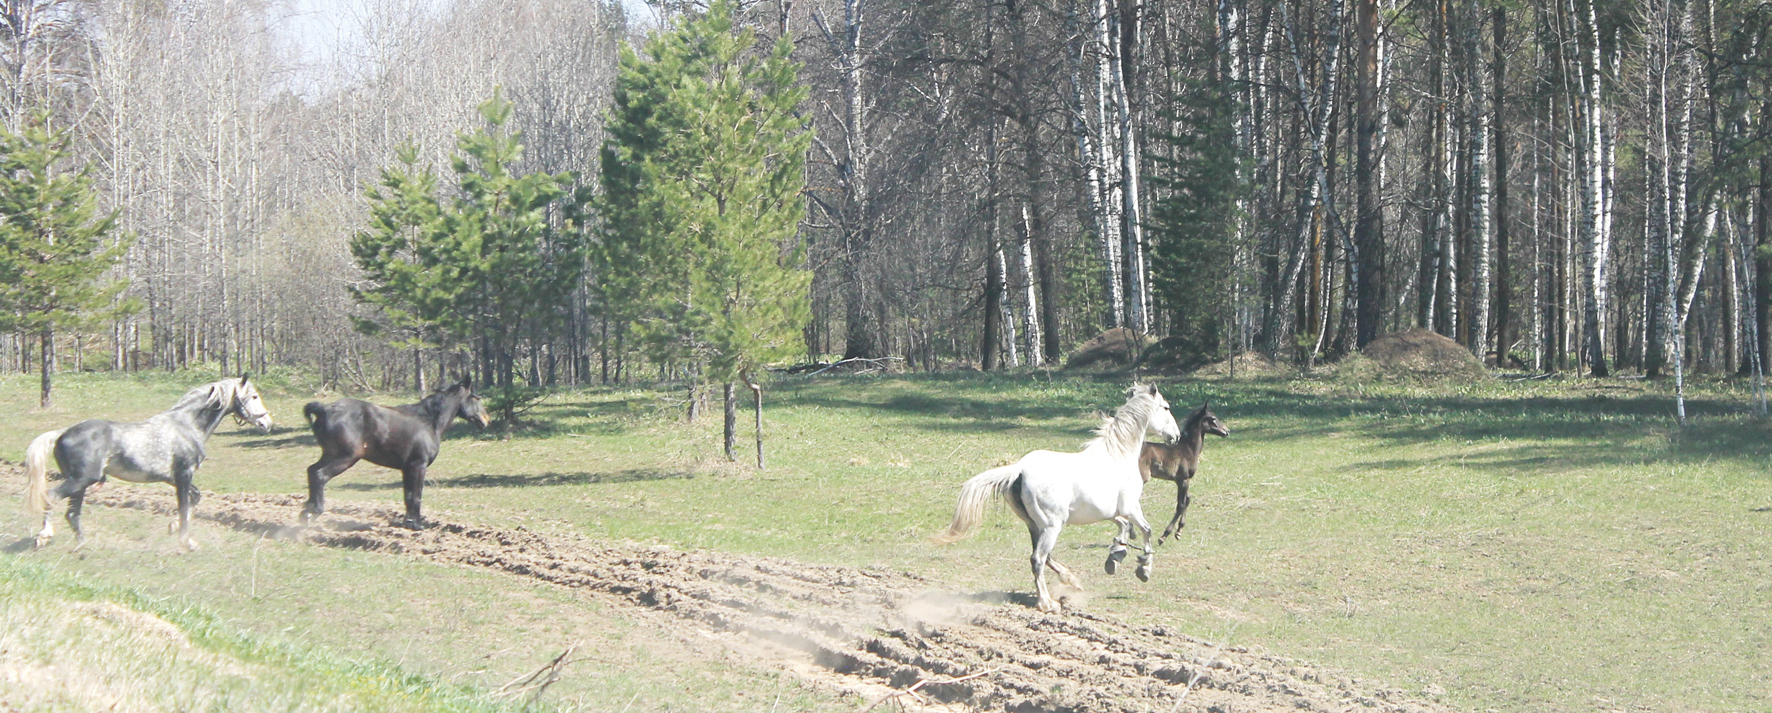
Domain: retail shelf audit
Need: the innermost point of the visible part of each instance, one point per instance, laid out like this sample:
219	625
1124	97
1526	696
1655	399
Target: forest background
1566	186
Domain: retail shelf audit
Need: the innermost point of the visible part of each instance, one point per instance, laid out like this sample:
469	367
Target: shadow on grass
487	480
1582	424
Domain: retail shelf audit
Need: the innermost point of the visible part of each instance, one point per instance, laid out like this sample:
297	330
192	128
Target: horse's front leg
1117	550
413	478
1136	515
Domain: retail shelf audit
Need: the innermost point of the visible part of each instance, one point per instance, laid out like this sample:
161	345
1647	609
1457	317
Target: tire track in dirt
858	630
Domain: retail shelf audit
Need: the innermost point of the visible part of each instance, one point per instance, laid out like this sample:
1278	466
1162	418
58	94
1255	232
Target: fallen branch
918	697
852	360
540	680
1195	679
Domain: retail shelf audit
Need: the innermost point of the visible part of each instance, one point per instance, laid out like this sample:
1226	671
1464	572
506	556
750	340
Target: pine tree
1193	224
702	177
412	289
494	267
55	246
519	243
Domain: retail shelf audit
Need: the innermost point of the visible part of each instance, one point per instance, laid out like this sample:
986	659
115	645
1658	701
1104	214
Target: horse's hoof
1144	573
190	546
39	542
412	524
1051	606
1114	558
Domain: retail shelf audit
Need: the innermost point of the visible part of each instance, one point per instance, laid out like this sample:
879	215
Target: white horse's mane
224	394
1122	434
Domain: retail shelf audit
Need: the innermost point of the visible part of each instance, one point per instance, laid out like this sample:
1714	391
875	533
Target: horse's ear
467	382
243	377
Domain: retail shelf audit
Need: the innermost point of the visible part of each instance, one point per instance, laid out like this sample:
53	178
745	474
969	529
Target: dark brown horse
1178	461
405	438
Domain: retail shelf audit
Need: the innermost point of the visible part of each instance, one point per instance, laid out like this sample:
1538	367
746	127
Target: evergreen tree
519	242
1192	225
702	177
408	282
494	267
55	246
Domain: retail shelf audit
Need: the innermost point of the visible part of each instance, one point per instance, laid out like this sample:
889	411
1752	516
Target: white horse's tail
37	457
969	512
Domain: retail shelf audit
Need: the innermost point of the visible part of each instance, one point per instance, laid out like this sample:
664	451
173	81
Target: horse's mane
430	403
1122	434
223	394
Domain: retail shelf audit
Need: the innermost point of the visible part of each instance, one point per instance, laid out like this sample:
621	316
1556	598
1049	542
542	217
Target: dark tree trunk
1503	267
1763	260
731	433
757	395
48	364
1368	219
993	270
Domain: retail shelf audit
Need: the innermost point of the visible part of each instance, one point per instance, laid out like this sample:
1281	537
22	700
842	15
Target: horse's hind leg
1044	541
48	530
74	490
319	474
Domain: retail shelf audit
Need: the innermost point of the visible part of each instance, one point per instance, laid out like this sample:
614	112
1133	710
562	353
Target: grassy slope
1524	547
68	645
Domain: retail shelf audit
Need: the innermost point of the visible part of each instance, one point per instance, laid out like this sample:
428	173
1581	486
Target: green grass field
1522	547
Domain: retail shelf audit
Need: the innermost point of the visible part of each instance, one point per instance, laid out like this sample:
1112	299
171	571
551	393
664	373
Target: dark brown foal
1177	461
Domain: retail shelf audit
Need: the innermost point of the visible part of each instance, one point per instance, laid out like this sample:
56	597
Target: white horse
1049	490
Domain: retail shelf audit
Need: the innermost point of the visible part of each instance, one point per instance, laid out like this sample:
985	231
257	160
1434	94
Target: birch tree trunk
1477	165
1595	254
1106	232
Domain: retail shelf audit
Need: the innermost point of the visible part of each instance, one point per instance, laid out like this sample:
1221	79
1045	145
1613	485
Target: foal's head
470	410
1206	422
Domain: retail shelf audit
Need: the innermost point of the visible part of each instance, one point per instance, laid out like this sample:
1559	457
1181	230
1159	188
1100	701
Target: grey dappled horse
166	448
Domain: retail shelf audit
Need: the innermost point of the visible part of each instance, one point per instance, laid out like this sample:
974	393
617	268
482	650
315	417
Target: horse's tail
37	457
969	512
316	415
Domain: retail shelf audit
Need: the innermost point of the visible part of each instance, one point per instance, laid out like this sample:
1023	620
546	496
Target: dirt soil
1115	347
1419	352
869	632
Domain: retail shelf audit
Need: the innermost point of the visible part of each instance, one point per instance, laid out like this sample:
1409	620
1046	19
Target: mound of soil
1115	347
869	632
1252	365
1419	352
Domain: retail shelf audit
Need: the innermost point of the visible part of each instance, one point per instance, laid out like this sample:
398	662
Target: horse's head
248	407
1207	422
1161	420
471	409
